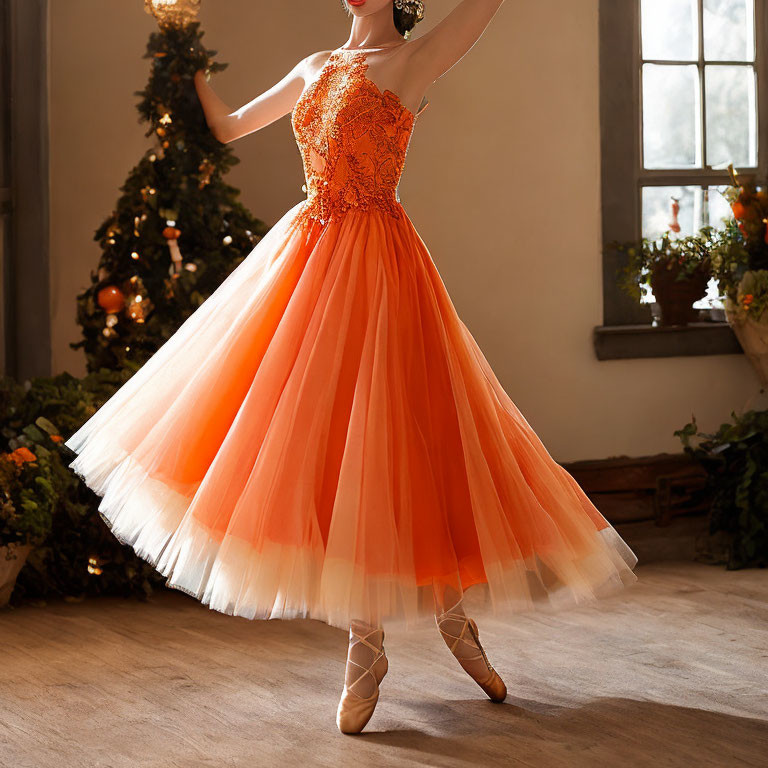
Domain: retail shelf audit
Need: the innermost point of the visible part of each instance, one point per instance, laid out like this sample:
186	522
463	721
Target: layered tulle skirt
323	438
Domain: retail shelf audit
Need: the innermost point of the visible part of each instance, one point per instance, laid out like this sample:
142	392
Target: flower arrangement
31	476
45	504
752	294
741	263
28	486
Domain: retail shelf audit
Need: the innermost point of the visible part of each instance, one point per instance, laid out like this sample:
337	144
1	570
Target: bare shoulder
310	66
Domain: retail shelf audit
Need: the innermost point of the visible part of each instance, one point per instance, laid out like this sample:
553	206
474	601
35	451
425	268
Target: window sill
621	342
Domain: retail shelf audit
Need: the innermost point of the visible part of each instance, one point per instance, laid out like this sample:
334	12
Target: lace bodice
353	138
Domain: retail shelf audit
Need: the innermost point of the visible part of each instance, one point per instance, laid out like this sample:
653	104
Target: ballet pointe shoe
465	645
355	710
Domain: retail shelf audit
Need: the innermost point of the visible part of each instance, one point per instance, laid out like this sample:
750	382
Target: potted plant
740	263
46	511
27	498
676	269
736	461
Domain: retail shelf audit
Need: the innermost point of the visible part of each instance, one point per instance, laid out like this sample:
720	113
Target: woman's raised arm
228	125
435	52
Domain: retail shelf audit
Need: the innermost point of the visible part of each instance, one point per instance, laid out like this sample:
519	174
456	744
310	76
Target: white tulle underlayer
280	582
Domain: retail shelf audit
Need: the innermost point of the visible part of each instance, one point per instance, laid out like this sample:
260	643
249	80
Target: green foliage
736	461
31	476
730	259
43	502
685	255
27	496
177	183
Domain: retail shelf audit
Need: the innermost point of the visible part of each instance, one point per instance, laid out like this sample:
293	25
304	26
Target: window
684	92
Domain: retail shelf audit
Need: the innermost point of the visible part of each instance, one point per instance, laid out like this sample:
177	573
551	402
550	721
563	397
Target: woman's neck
377	30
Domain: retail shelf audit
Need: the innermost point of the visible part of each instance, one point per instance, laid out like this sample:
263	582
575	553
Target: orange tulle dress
323	437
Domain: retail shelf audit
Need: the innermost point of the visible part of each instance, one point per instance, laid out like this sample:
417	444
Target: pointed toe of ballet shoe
354	713
495	688
492	685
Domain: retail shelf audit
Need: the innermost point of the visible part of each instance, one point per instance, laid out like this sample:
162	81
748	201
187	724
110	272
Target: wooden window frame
627	330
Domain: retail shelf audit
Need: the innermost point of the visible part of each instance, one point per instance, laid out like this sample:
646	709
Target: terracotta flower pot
675	297
12	559
753	337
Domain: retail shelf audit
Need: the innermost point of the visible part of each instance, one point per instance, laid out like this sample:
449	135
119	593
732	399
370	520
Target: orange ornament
111	299
739	211
172	235
674	225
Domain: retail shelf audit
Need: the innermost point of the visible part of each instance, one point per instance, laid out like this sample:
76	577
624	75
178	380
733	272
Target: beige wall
502	181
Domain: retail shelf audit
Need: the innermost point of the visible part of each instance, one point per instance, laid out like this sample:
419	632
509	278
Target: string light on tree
206	169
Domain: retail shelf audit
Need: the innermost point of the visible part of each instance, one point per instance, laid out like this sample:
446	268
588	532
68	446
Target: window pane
729	30
731	116
719	207
670	29
671	116
697	209
657	210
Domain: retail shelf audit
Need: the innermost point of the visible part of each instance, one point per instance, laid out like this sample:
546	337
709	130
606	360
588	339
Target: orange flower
748	299
57	438
24	454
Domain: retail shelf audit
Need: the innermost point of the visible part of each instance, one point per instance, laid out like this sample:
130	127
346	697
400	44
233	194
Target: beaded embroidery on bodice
353	138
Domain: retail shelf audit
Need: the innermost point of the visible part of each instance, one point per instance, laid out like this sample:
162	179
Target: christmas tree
178	229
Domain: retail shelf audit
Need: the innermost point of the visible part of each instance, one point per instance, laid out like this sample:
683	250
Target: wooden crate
632	489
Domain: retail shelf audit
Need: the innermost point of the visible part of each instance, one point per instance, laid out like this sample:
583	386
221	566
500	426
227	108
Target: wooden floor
673	672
